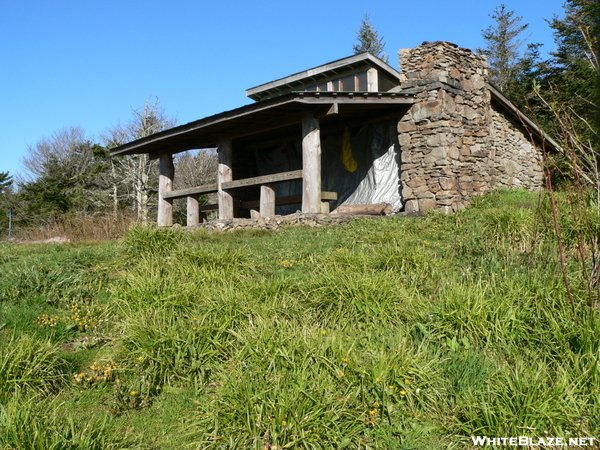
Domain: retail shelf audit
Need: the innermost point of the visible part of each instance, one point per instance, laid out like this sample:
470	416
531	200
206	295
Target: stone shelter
357	132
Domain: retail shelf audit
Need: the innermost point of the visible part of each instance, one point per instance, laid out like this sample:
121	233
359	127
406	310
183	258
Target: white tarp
375	148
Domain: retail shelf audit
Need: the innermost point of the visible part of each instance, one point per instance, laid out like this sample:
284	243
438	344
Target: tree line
70	175
567	83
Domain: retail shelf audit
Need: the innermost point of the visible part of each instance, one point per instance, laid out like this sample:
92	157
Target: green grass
397	333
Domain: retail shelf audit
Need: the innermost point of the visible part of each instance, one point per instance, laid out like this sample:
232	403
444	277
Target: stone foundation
275	223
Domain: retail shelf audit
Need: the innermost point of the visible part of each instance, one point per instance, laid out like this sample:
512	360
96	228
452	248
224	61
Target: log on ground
378	209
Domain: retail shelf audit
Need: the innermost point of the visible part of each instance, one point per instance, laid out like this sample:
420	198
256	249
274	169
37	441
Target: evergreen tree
66	178
6	182
369	40
502	47
65	187
575	75
6	193
529	72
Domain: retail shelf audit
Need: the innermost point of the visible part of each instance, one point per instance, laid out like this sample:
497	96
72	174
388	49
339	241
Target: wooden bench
264	207
326	197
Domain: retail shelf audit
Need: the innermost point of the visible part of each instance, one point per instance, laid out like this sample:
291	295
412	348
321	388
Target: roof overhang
273	120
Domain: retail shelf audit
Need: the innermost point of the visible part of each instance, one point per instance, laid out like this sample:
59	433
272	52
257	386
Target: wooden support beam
193	213
372	80
267	200
224	175
333	109
311	163
181	193
165	185
264	179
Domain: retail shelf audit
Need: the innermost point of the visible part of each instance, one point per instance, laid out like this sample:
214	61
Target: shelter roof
273	120
335	69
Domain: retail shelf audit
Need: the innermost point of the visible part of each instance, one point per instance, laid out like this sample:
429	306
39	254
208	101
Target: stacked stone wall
454	144
515	160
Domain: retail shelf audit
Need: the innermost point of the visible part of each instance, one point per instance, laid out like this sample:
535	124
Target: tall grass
103	227
395	333
28	365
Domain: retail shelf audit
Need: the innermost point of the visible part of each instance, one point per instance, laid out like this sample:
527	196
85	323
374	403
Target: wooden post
372	81
165	184
225	174
311	163
267	200
193	213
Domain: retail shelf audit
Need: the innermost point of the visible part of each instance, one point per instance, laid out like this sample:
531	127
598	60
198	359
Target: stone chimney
443	136
442	62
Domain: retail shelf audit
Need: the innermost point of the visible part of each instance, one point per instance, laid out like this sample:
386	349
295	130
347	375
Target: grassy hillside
396	333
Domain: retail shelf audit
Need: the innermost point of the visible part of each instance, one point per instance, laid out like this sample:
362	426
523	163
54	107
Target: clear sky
91	62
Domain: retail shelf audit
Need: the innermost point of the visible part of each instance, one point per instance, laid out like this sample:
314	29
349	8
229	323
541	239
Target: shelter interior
311	141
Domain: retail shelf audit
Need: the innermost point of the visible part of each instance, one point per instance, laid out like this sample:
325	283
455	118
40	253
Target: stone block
434	140
467	85
453	152
445	201
449	184
406	175
405	127
407	193
426	194
417	190
426	110
511	167
449	105
416	181
438	124
429	159
435	188
411	206
404	139
478	81
426	204
469	113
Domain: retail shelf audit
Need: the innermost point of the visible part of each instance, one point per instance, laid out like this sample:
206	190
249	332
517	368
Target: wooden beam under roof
259	118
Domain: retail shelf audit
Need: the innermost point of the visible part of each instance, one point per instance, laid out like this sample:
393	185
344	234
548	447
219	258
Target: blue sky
91	62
